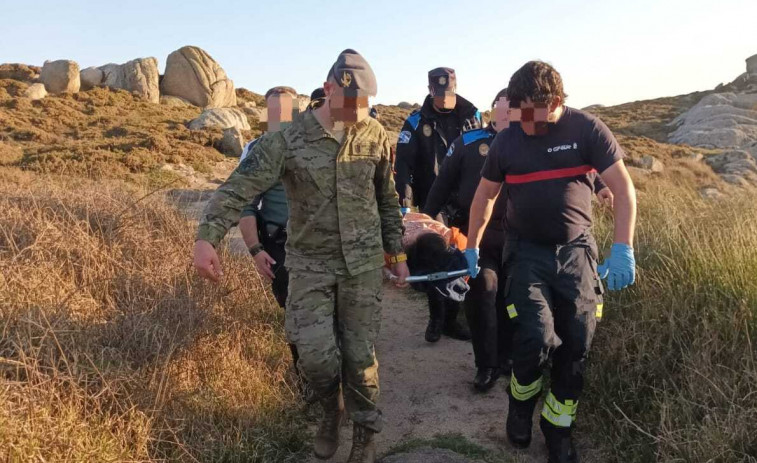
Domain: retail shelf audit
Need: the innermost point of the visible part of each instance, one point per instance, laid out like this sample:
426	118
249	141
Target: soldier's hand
206	261
401	271
264	262
606	197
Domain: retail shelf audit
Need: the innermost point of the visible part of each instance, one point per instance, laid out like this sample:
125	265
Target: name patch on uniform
555	149
404	137
483	149
427	130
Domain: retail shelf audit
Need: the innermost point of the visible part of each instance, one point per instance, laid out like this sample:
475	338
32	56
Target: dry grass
101	133
112	349
674	378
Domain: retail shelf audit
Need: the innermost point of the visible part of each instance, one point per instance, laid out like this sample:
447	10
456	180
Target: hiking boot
327	437
485	379
435	317
433	330
560	448
520	421
452	327
363	445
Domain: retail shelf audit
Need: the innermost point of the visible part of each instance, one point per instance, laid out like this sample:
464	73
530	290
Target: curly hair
536	80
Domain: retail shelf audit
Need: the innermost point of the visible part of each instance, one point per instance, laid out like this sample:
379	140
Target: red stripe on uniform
549	174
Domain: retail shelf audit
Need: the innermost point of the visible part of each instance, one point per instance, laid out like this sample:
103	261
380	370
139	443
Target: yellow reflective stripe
511	312
599	310
560	414
521	392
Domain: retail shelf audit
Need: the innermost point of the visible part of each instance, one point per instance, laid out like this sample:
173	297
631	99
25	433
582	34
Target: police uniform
271	213
425	139
553	294
343	216
455	187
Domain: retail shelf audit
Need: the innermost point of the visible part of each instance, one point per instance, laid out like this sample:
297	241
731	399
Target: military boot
560	448
327	437
435	319
453	328
519	421
363	445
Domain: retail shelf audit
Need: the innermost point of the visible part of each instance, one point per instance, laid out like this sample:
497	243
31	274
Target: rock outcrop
751	66
232	142
90	78
61	76
737	167
138	76
35	91
194	75
222	118
721	120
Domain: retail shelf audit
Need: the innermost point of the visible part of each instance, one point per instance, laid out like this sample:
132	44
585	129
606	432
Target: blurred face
501	114
534	118
444	100
280	110
347	106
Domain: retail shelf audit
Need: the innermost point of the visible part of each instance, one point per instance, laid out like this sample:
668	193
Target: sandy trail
426	389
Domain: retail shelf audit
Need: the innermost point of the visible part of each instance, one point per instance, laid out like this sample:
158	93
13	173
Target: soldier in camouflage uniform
343	216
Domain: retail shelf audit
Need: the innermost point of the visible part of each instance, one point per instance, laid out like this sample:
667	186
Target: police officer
343	216
263	222
454	188
553	293
421	148
427	134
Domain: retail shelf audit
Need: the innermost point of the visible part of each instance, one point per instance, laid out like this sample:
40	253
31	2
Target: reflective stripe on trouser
524	392
555	291
345	349
560	414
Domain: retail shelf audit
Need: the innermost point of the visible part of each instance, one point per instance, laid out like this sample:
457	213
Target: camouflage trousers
334	321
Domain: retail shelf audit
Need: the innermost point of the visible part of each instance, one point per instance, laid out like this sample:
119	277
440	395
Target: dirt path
426	389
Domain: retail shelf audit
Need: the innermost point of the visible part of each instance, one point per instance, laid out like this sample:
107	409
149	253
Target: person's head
348	86
317	98
500	113
374	113
536	95
281	108
442	86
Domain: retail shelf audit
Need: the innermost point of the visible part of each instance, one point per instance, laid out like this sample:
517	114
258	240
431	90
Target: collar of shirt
315	131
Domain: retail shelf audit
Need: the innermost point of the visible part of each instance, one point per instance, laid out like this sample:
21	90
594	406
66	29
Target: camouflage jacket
342	200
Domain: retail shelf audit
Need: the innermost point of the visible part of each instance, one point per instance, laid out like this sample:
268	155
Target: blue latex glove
619	268
404	210
471	255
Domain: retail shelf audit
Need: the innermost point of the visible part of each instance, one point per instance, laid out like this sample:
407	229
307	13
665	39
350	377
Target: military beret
442	79
280	90
352	71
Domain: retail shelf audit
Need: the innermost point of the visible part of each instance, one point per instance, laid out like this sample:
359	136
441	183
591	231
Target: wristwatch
255	249
396	259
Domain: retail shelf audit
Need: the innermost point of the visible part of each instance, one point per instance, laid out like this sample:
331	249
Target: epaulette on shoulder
414	119
473	135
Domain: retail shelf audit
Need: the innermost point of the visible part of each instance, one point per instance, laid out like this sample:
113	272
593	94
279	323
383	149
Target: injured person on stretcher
434	256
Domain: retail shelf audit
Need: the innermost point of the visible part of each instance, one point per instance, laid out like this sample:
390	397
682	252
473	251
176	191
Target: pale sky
608	52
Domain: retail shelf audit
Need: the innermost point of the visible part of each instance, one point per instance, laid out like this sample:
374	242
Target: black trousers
273	243
485	305
553	295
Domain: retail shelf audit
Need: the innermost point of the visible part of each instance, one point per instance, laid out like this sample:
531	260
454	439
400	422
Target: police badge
483	149
427	130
